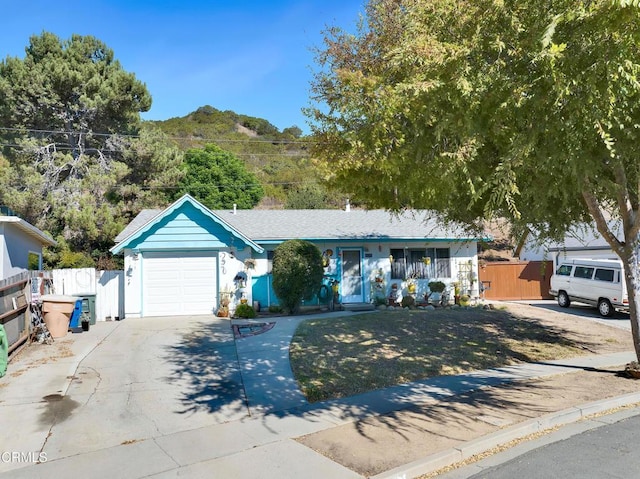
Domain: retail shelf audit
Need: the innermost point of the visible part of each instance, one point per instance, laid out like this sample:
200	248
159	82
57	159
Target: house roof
264	226
29	229
279	225
142	223
585	236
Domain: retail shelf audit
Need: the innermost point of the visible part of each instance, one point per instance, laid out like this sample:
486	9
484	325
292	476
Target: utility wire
177	138
220	187
69	148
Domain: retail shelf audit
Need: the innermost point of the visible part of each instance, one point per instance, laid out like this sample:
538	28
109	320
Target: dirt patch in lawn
381	443
340	357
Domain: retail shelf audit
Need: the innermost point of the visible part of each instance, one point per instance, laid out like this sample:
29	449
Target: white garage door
179	283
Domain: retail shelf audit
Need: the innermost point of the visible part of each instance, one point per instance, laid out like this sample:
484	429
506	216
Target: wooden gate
522	280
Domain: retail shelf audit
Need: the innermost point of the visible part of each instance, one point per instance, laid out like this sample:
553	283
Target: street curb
450	457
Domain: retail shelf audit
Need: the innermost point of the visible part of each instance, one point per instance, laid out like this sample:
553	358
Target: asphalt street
599	448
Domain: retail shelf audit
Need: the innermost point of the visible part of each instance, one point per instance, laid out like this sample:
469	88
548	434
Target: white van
596	282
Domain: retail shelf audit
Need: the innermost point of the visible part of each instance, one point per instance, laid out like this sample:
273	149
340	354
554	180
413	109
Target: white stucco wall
132	285
375	257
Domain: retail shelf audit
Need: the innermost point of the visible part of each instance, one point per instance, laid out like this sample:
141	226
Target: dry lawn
340	357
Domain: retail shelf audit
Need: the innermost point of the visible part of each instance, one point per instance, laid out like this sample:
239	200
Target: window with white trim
420	263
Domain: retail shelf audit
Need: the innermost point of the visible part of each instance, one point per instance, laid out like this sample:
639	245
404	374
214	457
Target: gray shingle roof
277	225
586	236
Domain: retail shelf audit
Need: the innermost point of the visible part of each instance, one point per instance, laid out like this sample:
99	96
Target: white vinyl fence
108	286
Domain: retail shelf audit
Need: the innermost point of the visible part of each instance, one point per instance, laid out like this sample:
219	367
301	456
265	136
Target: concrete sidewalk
161	398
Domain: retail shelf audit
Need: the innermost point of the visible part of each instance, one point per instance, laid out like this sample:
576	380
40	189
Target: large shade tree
523	109
218	179
69	120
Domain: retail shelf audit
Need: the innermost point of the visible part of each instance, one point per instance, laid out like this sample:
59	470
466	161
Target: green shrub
380	300
408	301
274	308
245	311
297	273
437	286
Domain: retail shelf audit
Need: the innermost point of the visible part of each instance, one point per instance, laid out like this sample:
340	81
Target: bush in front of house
408	302
245	311
437	286
297	273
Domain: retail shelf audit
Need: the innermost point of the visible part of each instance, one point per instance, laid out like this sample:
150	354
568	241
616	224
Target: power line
241	154
252	185
176	138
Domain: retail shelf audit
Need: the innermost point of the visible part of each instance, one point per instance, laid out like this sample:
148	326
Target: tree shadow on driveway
205	362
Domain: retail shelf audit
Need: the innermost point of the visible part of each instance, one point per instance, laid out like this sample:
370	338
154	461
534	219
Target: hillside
279	159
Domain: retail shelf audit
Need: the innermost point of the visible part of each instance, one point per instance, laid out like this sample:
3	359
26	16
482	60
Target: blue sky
252	57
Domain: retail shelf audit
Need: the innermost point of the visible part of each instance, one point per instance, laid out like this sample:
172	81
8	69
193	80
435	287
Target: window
443	262
604	275
421	263
564	270
398	266
583	272
270	254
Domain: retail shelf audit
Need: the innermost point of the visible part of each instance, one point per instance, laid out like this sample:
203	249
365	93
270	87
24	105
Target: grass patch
340	357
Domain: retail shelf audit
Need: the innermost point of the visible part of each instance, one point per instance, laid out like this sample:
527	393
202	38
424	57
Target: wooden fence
15	296
515	281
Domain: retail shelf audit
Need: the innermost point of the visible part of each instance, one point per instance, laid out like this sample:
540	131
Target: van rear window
604	275
583	272
564	270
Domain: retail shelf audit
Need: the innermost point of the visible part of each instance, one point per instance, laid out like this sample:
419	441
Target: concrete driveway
173	397
617	319
124	382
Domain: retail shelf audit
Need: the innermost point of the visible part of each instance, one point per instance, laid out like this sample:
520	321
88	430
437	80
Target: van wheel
563	300
604	307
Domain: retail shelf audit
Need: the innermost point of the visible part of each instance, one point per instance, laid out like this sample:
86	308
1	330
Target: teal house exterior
189	260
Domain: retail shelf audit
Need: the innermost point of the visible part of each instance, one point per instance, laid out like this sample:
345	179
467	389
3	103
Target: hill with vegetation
279	159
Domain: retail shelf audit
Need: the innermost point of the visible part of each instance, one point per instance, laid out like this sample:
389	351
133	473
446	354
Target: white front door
351	284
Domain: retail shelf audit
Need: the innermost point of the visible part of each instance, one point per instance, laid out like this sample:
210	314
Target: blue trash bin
75	315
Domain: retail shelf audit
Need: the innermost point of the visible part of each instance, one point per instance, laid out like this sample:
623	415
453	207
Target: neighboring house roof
583	237
147	219
265	226
28	229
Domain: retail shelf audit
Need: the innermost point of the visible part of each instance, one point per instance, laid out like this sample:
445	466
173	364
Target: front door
351	284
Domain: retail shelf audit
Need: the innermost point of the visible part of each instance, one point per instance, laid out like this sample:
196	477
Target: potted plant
223	310
456	292
465	300
249	264
435	295
240	280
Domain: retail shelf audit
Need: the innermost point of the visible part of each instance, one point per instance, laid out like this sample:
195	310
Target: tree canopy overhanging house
520	109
